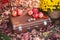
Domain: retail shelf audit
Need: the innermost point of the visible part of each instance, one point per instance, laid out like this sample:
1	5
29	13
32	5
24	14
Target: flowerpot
54	14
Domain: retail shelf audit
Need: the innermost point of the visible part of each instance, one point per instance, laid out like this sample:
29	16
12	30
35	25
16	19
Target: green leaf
5	37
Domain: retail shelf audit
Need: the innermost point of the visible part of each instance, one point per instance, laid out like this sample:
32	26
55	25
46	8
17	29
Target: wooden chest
21	21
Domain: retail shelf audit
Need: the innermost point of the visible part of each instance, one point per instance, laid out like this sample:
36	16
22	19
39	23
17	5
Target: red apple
19	12
36	15
30	12
41	15
14	13
35	10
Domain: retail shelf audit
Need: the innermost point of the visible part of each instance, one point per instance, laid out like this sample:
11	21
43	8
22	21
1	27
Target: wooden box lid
22	20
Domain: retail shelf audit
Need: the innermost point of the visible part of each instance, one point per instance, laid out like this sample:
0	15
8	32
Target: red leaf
5	1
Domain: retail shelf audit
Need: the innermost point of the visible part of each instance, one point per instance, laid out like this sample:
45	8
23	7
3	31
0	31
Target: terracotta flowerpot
55	14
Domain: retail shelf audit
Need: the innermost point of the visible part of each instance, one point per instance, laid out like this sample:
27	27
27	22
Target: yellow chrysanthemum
51	4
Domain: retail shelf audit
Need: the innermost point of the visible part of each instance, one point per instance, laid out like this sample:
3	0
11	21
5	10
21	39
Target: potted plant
52	7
